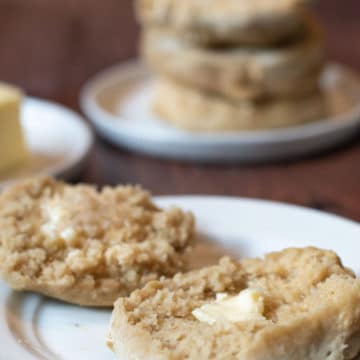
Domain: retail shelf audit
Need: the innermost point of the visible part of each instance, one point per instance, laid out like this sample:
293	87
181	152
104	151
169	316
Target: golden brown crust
240	73
190	109
312	311
226	22
86	246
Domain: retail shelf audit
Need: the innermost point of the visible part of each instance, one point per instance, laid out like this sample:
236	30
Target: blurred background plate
118	102
58	139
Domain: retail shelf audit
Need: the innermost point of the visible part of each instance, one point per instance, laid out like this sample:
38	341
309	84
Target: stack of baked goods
229	65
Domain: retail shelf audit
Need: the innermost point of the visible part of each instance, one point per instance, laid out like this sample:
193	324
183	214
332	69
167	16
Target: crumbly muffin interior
53	234
299	287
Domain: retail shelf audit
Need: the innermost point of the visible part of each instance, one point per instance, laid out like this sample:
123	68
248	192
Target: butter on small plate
12	144
38	137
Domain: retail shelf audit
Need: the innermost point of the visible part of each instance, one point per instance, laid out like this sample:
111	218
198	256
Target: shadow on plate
207	251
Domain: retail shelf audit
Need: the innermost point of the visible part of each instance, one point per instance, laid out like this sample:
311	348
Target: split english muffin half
292	305
88	247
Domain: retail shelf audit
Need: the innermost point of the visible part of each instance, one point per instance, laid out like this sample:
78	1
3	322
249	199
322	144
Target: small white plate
58	140
34	327
118	101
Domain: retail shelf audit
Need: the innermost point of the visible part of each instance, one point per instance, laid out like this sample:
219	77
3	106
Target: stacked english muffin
228	65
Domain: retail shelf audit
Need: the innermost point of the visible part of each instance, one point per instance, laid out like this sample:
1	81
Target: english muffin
187	108
239	73
85	246
226	22
292	305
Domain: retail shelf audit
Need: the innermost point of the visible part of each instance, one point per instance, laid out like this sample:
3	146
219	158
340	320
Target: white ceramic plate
118	101
34	327
58	140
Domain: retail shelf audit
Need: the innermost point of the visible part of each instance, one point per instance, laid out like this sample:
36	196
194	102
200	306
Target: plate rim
259	201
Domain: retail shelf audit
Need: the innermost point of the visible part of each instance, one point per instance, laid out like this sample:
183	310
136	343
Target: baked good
242	73
226	22
12	143
190	109
293	305
85	246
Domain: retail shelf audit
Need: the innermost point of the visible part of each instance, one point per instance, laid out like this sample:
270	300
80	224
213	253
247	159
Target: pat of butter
52	228
55	216
12	144
248	305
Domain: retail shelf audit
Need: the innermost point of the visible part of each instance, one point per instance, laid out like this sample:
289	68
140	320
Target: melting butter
248	305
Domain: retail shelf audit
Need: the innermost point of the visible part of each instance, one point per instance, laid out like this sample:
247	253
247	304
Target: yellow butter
54	228
12	144
248	305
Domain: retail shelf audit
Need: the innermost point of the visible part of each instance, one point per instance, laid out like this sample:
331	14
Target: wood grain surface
52	47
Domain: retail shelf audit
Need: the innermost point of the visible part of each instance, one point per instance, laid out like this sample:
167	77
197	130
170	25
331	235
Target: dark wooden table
52	47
